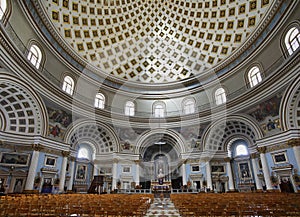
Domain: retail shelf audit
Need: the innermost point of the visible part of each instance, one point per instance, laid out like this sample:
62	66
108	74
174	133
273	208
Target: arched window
241	150
159	110
220	96
292	40
83	152
68	85
35	56
129	108
189	106
100	101
254	76
3	7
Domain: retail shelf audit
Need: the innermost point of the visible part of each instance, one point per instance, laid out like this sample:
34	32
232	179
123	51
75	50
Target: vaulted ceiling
155	41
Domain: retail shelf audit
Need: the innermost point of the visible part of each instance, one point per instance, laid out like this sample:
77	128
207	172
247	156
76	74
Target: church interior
179	105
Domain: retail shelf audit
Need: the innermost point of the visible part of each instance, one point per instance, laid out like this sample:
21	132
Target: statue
160	173
160	176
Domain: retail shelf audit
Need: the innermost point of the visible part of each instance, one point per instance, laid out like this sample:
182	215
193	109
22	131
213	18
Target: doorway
286	185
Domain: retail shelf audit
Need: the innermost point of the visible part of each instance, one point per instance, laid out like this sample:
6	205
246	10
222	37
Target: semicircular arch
289	109
22	108
157	135
219	133
102	136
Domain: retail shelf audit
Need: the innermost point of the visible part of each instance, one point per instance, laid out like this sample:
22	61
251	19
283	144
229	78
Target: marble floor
162	208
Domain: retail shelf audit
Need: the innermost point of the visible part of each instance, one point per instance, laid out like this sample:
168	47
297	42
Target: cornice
278	138
46	143
278	142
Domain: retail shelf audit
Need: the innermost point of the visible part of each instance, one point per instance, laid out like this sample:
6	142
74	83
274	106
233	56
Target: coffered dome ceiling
155	41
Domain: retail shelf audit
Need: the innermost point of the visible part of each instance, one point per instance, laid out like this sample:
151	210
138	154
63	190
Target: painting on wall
59	116
244	170
81	172
59	120
126	169
18	185
126	134
217	169
195	168
50	161
267	108
280	158
14	159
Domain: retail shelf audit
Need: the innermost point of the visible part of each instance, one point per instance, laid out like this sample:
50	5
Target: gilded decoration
262	150
37	147
294	142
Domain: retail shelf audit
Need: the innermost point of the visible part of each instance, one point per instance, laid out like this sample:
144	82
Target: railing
269	72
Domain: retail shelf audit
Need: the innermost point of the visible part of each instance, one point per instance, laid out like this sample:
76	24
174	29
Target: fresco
127	138
267	108
60	116
59	120
267	114
193	135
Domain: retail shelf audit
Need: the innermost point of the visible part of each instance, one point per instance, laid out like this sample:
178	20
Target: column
265	167
96	170
229	172
208	175
114	171
33	166
137	172
295	143
183	172
63	169
71	170
254	165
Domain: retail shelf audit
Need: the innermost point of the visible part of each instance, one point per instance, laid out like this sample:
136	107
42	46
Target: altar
157	186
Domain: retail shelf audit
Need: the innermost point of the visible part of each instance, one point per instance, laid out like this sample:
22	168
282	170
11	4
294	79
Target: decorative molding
262	150
253	155
192	161
196	177
293	142
65	153
137	161
37	147
286	167
49	170
277	147
72	158
227	159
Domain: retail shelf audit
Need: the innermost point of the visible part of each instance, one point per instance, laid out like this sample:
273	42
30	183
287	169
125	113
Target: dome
155	41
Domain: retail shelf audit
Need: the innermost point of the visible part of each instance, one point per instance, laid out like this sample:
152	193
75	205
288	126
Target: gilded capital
262	150
294	142
137	161
65	153
227	159
115	160
72	158
253	155
206	159
36	147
